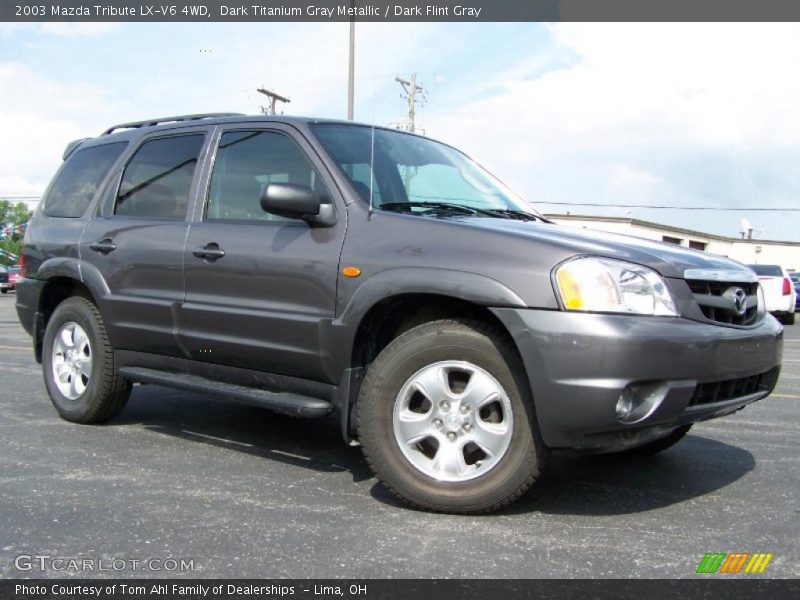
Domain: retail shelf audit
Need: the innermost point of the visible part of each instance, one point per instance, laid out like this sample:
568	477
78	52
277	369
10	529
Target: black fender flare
73	268
462	285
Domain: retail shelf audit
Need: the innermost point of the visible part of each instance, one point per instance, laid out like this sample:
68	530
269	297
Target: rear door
137	242
260	288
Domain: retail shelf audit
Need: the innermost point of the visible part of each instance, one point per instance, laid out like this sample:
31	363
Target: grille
730	389
716	301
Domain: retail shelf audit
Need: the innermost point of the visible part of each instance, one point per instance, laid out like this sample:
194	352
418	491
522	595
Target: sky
680	115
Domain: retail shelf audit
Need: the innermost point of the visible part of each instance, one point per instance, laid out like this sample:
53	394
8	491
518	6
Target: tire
788	319
455	354
5	291
92	394
660	444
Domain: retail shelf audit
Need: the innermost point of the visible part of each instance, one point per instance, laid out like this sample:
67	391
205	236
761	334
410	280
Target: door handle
103	246
209	252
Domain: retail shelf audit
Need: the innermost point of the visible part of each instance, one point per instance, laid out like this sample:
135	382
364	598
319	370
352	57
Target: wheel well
55	292
393	316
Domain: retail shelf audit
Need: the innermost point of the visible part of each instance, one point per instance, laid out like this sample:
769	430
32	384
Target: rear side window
767	270
157	180
76	184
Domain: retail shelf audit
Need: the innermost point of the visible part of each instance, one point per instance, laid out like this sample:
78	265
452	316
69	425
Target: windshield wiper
446	206
504	213
510	213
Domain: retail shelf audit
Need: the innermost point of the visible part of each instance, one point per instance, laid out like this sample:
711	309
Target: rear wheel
660	444
78	365
446	420
788	319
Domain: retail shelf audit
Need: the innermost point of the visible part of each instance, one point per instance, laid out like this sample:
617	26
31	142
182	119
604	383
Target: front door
260	288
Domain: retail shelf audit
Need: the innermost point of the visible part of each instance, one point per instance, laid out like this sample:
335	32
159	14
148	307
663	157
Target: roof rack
151	122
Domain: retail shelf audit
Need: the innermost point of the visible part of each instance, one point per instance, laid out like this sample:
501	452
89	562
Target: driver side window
246	161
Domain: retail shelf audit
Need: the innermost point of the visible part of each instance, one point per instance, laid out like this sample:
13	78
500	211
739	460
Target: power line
736	208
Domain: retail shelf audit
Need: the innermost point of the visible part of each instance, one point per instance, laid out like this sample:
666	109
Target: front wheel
78	364
446	420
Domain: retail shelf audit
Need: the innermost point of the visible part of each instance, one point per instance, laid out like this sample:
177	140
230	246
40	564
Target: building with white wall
748	251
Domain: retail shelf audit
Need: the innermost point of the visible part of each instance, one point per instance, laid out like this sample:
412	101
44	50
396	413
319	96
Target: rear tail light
22	263
787	286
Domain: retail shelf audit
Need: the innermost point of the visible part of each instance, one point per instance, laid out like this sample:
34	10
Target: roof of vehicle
133	129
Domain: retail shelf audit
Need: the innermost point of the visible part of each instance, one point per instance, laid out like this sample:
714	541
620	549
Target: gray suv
310	266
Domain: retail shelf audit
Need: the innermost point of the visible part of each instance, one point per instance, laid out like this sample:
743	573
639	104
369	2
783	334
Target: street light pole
351	63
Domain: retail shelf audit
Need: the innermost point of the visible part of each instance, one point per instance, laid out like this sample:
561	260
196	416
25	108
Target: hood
667	259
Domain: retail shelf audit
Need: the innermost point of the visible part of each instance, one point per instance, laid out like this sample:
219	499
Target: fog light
639	400
624	406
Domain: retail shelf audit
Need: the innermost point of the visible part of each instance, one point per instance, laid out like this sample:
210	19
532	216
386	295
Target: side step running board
281	402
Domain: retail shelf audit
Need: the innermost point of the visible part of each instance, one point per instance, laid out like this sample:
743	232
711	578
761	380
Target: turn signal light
351	271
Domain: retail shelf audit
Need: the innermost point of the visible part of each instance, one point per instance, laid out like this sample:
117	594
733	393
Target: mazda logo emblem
737	297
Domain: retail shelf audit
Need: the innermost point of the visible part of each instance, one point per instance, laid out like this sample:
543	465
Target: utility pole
411	90
273	98
351	66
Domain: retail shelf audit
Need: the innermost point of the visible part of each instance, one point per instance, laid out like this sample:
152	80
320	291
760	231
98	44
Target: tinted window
248	160
767	270
157	179
76	184
412	171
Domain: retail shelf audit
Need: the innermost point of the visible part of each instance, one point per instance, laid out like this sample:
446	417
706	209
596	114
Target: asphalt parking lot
245	493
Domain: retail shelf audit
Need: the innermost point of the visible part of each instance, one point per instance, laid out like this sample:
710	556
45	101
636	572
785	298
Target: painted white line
219	439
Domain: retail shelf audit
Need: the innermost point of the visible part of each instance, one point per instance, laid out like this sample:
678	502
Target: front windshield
408	173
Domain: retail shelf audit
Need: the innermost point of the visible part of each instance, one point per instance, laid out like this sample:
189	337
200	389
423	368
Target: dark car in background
310	266
6	283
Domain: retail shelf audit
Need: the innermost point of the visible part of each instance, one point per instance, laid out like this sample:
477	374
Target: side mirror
294	201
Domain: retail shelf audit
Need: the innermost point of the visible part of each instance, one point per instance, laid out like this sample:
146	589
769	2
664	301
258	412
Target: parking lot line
790	396
26	348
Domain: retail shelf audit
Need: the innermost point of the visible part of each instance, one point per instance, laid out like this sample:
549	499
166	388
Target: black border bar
399	10
402	589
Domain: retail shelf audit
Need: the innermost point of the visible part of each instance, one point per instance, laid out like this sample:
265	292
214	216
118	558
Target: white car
778	291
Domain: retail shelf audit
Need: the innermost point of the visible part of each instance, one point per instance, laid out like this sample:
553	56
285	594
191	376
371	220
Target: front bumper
580	364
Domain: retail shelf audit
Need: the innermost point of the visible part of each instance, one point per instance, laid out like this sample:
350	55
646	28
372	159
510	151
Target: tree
11	217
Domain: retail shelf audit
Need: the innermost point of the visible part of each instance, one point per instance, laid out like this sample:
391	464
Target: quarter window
248	160
76	184
157	180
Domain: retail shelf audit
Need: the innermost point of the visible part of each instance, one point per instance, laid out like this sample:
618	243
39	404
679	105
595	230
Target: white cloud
659	99
41	114
624	176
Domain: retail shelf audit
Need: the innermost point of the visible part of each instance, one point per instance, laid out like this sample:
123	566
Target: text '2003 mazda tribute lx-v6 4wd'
309	266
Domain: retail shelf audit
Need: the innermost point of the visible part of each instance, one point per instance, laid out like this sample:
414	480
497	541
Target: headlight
606	285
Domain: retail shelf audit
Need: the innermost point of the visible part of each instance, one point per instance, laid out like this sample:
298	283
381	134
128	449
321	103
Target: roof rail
151	122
